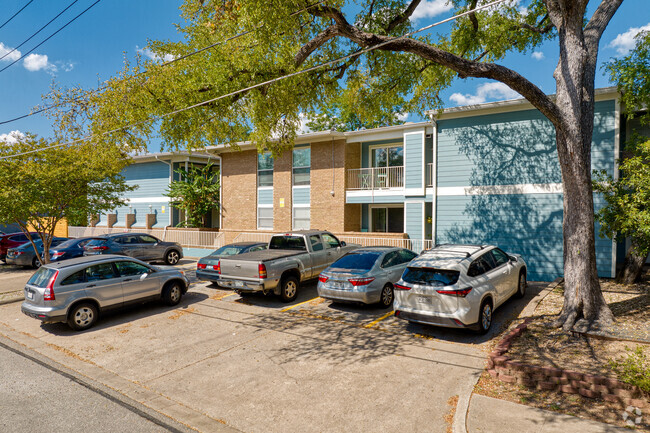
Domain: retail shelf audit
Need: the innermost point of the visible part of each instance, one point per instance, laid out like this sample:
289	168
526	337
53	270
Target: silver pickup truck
290	259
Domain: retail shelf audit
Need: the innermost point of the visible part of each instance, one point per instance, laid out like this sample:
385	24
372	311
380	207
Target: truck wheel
289	289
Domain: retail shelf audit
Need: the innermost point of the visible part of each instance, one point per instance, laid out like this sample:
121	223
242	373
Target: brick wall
327	175
282	166
239	190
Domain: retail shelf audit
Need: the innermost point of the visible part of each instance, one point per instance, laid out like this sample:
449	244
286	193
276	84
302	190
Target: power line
14	15
50	37
284	77
49	107
39	30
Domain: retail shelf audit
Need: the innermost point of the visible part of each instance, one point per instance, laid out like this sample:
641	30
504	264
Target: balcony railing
376	178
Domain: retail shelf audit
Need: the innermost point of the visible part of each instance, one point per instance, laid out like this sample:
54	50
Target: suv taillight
262	270
400	287
48	295
100	248
459	293
217	267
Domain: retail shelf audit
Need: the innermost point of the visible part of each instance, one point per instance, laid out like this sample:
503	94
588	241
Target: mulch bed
590	353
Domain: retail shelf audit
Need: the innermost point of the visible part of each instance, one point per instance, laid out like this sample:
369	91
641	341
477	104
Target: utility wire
39	30
50	37
284	77
14	15
99	89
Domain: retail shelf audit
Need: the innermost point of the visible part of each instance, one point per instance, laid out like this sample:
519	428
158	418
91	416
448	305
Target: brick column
111	219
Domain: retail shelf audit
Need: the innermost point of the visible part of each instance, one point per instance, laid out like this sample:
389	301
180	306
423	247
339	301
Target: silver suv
76	290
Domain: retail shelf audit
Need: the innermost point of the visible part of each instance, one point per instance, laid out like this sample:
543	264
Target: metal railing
430	174
416	245
187	238
376	178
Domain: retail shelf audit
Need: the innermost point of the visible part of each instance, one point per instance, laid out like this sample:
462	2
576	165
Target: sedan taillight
361	281
99	248
57	254
461	293
217	267
322	278
201	266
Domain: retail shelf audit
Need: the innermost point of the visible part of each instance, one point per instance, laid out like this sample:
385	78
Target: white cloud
431	8
153	56
37	62
538	55
624	42
498	91
402	116
11	137
11	57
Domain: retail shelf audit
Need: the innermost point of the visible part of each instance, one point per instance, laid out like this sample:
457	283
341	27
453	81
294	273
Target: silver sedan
365	275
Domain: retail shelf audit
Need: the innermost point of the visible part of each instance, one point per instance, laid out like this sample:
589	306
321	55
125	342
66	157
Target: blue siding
151	178
141	210
413	162
265	196
530	225
513	148
301	195
413	212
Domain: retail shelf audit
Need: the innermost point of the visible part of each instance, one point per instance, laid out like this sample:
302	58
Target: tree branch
404	16
597	24
317	42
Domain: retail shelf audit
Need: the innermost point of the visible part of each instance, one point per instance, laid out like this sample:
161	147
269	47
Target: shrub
633	368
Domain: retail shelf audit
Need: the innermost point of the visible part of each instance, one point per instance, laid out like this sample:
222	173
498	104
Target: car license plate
29	294
338	286
422	299
239	284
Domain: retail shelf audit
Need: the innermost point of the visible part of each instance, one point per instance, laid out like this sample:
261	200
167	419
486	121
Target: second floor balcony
376	178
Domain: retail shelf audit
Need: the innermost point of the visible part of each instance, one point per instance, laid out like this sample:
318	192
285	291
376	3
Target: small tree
41	188
196	193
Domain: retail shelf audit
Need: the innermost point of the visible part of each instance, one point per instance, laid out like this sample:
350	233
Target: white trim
391	192
424	219
415	191
371	147
147	200
529	188
268	205
384	206
617	152
264	188
303	205
301	186
434	186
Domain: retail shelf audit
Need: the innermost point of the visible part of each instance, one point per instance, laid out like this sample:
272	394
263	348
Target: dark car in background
70	249
207	268
24	254
138	245
13	240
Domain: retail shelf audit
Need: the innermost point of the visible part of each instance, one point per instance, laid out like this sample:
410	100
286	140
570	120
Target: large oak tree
403	75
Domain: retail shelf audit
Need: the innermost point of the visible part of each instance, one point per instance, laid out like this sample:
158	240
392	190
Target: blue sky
93	47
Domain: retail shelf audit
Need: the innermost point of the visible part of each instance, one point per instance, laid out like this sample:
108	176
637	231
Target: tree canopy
196	193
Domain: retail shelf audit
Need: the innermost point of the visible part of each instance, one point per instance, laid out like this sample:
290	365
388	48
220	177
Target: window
330	241
316	244
387	219
102	271
287	243
127	268
362	261
265	218
76	278
258	248
387	156
406	256
301	166
500	257
481	265
301	218
41	277
430	276
146	239
391	259
264	169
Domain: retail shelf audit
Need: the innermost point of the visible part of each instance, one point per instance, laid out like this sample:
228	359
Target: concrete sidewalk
487	414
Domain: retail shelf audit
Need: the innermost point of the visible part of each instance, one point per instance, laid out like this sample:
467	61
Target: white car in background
459	286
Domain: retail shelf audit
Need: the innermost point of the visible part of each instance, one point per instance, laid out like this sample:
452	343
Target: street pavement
222	362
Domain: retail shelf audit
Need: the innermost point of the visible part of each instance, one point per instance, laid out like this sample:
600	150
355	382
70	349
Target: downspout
170	181
434	181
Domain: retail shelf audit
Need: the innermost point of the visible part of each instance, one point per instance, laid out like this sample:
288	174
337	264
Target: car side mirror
343	243
513	259
143	276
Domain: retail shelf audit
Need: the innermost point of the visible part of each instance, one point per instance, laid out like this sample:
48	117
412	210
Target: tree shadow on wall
528	224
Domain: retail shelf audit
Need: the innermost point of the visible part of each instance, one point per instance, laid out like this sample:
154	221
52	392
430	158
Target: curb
532	305
508	370
10	300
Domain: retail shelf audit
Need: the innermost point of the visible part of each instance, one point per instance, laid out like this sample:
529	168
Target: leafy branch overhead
196	193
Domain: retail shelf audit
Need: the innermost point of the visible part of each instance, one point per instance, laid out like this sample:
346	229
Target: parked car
24	254
13	240
70	249
459	286
290	259
76	291
206	267
365	275
138	245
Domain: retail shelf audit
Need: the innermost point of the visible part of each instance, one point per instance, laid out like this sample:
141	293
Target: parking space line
297	305
218	298
374	322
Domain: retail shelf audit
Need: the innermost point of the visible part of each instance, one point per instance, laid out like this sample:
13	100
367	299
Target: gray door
333	247
129	245
319	256
393	266
149	248
102	284
138	281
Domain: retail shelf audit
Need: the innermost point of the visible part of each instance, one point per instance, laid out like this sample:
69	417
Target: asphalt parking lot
223	362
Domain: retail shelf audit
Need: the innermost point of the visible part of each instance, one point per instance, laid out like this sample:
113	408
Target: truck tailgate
247	265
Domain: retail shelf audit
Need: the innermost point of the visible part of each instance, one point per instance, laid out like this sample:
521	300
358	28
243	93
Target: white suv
459	286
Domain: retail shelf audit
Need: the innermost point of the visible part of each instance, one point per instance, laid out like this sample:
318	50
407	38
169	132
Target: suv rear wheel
82	316
485	317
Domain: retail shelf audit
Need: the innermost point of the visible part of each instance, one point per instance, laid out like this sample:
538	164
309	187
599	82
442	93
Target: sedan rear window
362	261
430	276
95	243
228	250
41	277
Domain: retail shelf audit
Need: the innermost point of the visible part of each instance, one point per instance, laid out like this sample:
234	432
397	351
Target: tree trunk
575	101
632	267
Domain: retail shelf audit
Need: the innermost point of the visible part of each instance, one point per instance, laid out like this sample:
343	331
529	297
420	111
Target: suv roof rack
467	254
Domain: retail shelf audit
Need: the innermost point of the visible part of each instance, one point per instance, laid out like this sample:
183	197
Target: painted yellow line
217	298
297	305
374	322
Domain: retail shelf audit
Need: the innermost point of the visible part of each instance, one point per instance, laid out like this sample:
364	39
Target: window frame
295	167
271	218
266	171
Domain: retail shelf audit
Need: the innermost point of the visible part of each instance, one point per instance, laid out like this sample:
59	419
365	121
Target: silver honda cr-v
75	291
